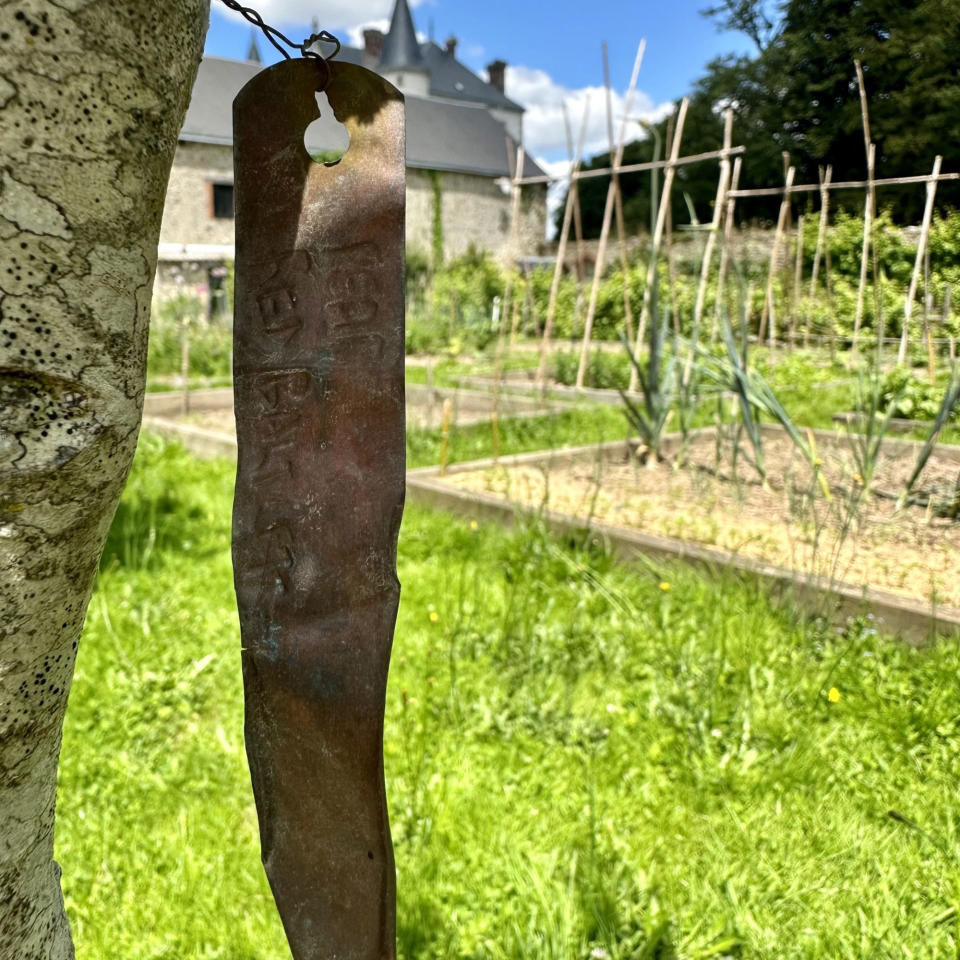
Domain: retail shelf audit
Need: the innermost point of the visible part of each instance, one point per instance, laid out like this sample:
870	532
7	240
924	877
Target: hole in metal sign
326	139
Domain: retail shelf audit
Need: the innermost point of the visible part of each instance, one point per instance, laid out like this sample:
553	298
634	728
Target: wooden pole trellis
513	250
649	165
728	224
719	206
665	198
769	311
921	250
869	210
568	216
825	178
618	195
797	283
605	229
839	185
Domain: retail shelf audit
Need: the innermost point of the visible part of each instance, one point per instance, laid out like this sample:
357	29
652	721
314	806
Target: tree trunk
92	96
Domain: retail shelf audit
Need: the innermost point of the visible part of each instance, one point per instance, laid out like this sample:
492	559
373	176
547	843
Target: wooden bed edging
916	622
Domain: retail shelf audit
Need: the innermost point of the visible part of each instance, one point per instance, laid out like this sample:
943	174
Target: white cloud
543	126
343	15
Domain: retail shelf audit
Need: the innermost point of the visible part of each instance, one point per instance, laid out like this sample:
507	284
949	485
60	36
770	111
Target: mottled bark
92	95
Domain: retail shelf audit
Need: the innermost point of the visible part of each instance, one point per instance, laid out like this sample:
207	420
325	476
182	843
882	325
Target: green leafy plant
912	397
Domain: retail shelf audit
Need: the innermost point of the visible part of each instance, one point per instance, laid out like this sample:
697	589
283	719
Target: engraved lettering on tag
273	560
277	463
288	296
351	278
281	391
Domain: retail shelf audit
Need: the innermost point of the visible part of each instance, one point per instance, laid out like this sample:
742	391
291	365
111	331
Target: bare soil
788	521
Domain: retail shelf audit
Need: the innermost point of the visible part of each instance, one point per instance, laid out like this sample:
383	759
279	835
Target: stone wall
476	210
188	211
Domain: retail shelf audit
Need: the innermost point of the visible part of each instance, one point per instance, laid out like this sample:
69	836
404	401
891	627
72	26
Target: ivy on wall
436	237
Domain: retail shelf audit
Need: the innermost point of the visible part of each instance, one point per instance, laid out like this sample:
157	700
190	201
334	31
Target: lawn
584	760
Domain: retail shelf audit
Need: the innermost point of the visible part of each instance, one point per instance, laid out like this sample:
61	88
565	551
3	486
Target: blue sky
554	51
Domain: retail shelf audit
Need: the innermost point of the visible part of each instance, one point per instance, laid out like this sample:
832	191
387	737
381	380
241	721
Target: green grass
582	425
580	762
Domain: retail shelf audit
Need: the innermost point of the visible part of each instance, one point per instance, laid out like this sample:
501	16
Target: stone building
462	136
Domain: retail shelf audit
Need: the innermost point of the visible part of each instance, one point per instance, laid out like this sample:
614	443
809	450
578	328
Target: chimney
497	71
372	45
450	47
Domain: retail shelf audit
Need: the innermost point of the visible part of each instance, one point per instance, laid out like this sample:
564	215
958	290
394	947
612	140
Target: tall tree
800	93
92	97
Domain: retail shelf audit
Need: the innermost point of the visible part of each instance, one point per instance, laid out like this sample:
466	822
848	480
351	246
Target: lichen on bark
92	96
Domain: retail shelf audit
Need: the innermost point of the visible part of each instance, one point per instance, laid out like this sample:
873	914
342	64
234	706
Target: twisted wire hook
276	37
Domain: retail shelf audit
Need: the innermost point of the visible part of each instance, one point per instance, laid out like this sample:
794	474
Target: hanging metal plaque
318	368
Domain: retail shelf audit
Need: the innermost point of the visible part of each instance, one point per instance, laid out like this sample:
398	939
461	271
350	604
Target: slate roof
449	78
441	135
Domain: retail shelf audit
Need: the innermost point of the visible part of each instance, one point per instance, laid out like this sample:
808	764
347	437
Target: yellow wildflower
474	525
434	616
833	695
664	585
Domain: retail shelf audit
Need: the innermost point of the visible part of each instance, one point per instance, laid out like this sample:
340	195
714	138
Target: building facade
462	137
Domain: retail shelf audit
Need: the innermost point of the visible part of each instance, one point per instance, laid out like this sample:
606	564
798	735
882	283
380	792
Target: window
222	201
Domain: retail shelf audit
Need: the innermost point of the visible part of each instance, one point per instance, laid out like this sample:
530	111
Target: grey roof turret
253	51
400	47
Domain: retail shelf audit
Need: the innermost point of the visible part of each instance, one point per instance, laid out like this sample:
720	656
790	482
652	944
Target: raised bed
688	515
208	428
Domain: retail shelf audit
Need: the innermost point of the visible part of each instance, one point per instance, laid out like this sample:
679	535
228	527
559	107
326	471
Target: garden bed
785	528
212	410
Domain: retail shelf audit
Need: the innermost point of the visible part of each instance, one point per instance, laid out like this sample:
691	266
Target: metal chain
274	35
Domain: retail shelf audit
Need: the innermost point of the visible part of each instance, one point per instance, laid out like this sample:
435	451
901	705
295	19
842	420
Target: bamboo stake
870	207
605	230
574	186
921	249
768	305
665	198
445	435
946	324
668	245
185	364
839	185
513	251
522	315
931	352
561	250
578	234
797	282
594	291
825	179
618	193
725	246
648	165
868	211
517	312
719	204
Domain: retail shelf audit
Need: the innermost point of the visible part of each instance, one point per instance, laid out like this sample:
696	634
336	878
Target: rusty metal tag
318	372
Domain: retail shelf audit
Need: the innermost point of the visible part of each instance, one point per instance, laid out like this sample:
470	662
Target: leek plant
866	439
667	390
756	398
950	506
